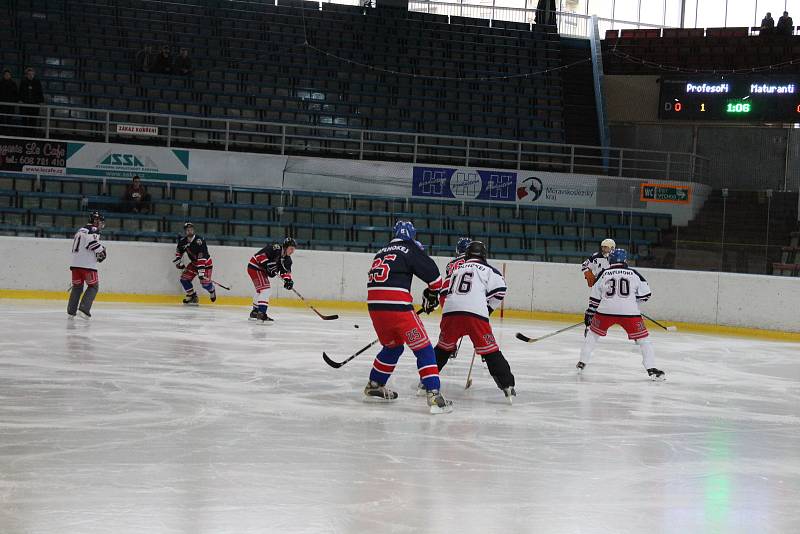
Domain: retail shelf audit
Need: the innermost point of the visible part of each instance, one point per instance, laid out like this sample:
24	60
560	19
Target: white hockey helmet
607	245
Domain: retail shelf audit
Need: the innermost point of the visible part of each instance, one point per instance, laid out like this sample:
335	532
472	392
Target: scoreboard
743	98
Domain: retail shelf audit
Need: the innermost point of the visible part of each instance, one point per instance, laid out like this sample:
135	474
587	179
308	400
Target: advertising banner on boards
31	156
464	184
121	161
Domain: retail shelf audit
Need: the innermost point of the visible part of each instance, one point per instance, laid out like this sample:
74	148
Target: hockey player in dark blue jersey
390	307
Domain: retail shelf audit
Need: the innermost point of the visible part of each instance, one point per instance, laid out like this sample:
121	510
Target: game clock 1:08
733	98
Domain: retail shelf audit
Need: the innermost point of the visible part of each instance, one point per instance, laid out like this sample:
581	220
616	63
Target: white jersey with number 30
474	286
618	291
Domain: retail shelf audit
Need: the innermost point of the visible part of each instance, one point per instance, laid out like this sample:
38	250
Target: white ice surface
159	419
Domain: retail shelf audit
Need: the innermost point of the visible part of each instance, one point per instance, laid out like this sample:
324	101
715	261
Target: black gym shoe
656	374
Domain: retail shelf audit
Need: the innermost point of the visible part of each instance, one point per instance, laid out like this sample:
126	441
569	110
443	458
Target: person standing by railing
30	92
10	94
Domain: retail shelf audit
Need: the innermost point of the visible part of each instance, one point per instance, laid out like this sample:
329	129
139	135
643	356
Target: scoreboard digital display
743	98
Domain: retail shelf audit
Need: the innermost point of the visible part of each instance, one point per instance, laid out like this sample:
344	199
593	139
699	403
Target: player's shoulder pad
637	273
498	273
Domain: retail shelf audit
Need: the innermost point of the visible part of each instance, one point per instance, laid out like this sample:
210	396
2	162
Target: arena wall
33	266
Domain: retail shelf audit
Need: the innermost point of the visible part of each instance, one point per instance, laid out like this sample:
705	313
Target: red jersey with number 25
393	269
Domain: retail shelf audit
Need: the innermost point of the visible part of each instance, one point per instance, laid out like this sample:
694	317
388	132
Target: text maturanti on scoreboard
743	98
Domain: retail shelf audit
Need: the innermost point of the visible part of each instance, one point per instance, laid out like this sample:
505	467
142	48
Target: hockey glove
178	264
288	284
587	318
201	274
100	256
430	300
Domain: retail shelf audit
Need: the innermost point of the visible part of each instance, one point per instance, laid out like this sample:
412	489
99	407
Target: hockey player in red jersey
390	307
455	263
614	300
87	252
476	289
273	260
200	264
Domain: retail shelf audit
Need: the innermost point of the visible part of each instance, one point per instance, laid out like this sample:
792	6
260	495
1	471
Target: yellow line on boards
335	305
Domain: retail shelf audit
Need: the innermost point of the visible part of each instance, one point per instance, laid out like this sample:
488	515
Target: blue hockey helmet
618	255
405	230
463	243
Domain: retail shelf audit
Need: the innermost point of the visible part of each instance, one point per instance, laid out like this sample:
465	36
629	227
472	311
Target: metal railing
64	122
569	24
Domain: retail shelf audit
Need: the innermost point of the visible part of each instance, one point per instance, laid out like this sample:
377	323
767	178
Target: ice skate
191	300
656	374
374	392
510	393
264	319
437	403
253	314
85	315
421	391
213	296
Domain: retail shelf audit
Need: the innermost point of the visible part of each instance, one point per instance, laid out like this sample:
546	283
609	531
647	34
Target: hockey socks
384	364
442	357
648	354
262	308
88	298
74	299
427	367
500	370
187	286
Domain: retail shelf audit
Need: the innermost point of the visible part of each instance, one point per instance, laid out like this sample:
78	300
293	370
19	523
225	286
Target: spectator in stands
10	94
136	198
163	62
183	63
785	25
144	59
767	25
30	92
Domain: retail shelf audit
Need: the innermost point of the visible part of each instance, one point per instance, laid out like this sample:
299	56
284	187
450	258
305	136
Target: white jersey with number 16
618	291
474	287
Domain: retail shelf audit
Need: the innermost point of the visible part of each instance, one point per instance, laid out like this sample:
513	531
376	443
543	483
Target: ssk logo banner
122	161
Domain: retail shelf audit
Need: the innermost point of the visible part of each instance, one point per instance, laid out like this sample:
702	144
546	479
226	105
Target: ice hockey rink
165	419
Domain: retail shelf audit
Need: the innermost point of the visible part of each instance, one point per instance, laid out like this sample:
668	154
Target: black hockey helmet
289	242
96	216
187	224
476	250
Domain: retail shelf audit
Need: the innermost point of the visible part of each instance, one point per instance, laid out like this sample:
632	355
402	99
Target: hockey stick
323	317
526	339
336	365
667	328
220	285
469	374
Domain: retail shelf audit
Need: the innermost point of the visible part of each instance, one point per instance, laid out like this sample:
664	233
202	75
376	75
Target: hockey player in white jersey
594	264
87	252
476	289
614	300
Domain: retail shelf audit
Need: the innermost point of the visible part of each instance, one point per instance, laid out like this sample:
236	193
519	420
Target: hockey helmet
463	243
289	242
607	245
618	255
96	216
404	230
476	250
187	224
